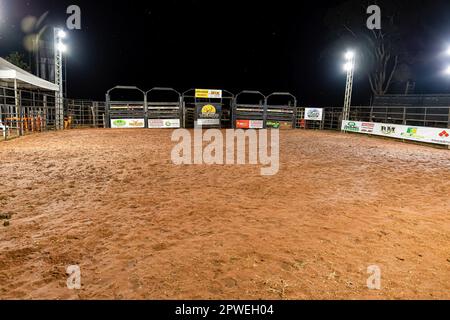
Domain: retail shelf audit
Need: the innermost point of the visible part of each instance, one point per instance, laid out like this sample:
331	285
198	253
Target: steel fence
423	116
25	112
84	114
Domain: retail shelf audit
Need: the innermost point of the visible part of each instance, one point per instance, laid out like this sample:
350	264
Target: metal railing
84	114
422	116
25	112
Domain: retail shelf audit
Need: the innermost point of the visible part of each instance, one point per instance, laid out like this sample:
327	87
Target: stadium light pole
349	67
60	48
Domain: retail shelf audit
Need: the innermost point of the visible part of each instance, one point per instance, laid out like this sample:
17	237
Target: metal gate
164	111
249	113
281	115
126	114
207	108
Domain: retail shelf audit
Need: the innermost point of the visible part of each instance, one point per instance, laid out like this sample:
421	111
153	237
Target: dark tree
382	53
18	59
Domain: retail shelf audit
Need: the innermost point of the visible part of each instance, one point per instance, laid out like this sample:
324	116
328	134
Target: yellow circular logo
208	109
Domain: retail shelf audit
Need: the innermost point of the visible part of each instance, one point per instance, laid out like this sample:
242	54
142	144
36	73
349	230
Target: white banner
163	123
127	123
314	114
421	134
207	122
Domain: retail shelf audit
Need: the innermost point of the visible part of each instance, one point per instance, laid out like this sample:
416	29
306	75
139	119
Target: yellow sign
208	109
208	94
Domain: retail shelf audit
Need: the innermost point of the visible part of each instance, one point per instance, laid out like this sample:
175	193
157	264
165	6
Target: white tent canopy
9	72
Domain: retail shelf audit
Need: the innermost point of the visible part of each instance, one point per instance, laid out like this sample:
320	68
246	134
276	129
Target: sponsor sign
164	123
249	124
367	127
351	126
208	114
127	123
207	122
314	114
420	134
282	125
208	94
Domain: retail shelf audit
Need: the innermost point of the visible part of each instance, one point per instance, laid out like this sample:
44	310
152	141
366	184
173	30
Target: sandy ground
141	228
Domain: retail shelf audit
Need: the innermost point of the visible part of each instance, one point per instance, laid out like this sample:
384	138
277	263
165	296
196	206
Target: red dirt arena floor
140	227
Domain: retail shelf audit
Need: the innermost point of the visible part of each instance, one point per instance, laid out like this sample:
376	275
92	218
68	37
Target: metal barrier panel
207	108
251	113
84	114
281	115
126	114
163	112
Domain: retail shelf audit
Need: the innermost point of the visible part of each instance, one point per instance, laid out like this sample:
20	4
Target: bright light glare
62	34
348	66
349	55
61	47
447	71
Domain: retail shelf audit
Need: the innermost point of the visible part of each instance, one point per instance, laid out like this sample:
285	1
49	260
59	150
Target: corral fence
23	112
423	116
332	118
420	116
83	114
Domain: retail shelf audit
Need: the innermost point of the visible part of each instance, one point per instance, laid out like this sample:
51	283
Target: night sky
234	45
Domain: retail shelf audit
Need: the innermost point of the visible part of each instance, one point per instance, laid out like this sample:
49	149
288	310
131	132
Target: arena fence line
424	116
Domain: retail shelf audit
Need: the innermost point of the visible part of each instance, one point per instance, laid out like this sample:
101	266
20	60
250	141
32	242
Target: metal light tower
60	48
350	68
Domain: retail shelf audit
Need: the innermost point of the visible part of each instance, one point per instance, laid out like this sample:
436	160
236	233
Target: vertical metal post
59	103
404	115
18	108
107	124
448	123
145	110
349	89
45	120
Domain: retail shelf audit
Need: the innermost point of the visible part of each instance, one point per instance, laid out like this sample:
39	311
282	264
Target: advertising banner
164	123
249	124
127	123
208	94
208	114
414	133
282	125
314	114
